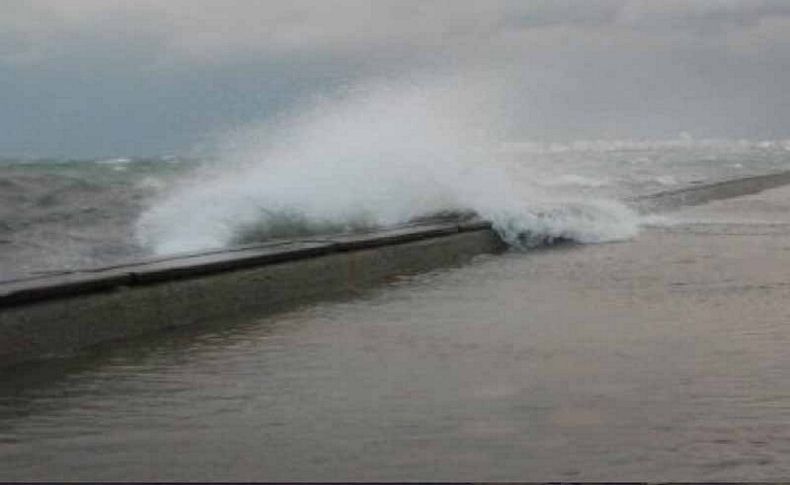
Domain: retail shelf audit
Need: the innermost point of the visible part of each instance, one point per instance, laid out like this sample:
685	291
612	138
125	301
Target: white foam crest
115	161
571	179
376	156
683	141
665	180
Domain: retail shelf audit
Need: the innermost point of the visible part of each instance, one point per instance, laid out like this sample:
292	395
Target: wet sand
661	358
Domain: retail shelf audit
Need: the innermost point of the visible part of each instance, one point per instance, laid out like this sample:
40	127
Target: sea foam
375	155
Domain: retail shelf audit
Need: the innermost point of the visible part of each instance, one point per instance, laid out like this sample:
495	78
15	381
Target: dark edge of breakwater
30	290
58	314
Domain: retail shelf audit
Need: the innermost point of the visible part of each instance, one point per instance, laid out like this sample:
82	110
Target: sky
85	78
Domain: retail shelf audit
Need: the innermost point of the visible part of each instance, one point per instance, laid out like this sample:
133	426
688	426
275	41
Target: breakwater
701	194
58	314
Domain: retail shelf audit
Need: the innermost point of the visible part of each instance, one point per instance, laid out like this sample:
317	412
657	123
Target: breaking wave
377	155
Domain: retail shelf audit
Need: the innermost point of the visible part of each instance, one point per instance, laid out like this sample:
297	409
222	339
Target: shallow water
662	358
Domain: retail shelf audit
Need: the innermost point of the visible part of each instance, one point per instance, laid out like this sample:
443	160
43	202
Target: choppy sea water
59	214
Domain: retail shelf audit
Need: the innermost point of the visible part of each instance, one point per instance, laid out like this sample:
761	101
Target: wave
684	141
376	155
115	161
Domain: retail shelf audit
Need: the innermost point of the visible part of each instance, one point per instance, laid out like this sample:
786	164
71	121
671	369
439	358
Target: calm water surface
549	365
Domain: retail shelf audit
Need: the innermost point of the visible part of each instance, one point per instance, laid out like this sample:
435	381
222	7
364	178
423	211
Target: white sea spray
378	155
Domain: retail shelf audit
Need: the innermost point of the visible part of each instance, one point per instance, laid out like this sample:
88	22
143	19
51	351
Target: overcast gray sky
142	77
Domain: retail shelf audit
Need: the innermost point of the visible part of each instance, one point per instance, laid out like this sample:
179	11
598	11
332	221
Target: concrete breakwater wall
701	194
56	315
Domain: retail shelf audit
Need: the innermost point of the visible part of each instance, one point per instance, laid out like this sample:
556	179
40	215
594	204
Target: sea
636	356
64	214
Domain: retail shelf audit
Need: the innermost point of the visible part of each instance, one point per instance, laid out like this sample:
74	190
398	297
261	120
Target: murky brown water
665	358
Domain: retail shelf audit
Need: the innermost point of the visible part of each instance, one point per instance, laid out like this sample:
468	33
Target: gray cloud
211	32
120	75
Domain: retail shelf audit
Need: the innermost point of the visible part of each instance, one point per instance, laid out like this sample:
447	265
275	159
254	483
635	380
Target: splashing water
378	155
